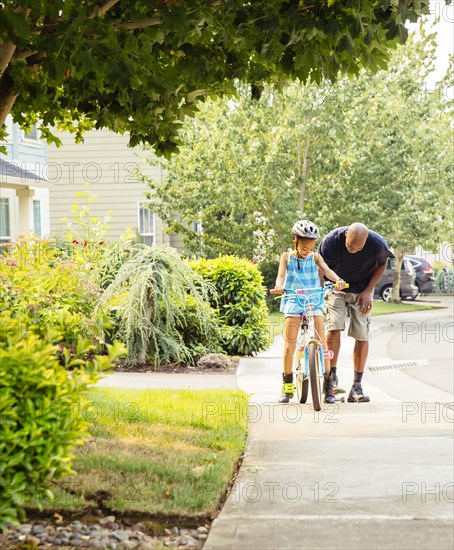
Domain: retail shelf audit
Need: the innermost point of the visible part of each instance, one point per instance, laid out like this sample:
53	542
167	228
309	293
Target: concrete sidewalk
352	476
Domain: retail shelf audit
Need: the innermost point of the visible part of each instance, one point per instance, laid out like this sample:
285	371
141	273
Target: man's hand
364	300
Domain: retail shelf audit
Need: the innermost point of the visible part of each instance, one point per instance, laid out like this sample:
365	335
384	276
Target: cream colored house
105	161
24	190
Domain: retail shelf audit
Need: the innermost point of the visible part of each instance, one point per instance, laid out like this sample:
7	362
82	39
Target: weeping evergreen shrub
240	305
164	314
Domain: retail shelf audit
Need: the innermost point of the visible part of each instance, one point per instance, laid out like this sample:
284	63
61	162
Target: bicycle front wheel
314	375
302	382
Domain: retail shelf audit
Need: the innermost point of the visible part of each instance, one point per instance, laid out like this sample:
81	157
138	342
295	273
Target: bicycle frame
307	334
312	369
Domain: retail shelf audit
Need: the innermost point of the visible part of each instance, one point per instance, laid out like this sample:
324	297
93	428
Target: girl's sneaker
328	389
288	390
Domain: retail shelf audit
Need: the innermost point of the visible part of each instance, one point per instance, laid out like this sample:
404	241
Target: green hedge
42	411
240	306
269	272
444	280
53	296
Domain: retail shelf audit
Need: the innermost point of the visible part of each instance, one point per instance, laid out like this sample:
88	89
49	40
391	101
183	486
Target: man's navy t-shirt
356	269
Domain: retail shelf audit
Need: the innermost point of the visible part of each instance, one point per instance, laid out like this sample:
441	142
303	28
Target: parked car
408	288
425	280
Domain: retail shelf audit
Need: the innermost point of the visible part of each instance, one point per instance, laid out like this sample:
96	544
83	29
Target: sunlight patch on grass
156	451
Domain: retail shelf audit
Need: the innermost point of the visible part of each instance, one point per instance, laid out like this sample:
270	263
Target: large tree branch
7	50
102	8
7	97
140	23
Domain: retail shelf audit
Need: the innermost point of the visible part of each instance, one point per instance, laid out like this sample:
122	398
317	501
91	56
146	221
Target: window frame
141	206
8	206
38	202
31	141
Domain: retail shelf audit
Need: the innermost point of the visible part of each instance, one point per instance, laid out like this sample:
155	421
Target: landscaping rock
100	534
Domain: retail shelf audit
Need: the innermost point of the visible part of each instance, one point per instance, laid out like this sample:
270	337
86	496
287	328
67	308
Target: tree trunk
7	98
395	297
401	252
303	168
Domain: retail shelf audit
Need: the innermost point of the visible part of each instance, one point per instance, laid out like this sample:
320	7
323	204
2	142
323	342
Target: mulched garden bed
213	363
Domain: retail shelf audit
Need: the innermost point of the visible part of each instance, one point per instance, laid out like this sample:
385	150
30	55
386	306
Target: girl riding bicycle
302	268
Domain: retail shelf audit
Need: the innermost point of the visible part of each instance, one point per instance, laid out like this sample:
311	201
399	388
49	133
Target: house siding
31	156
105	161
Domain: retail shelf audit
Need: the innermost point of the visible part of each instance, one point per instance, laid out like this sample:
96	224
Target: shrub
52	296
269	272
444	280
42	413
164	314
241	305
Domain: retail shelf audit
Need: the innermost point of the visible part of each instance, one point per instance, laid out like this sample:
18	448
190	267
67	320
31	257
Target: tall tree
142	66
230	178
393	155
372	149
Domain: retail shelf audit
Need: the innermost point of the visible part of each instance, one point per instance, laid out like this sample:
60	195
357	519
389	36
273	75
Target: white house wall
106	162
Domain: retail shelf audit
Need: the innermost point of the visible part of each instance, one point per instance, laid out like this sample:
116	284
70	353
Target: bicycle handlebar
314	290
304	297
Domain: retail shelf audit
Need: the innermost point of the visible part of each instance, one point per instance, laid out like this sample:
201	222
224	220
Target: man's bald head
356	237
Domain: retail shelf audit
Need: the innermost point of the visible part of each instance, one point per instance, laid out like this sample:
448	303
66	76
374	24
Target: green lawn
382	308
158	452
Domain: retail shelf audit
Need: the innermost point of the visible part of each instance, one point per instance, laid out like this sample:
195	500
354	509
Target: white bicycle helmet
306	229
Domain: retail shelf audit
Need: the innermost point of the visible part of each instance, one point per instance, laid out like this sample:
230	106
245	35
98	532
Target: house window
37	228
5	223
146	223
31	135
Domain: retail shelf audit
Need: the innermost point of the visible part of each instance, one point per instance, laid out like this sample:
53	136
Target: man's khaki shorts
337	307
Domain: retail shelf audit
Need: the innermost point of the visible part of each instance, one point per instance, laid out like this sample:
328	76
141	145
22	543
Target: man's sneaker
328	388
288	389
356	394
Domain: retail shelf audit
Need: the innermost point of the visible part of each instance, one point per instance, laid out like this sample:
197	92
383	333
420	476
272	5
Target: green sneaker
288	390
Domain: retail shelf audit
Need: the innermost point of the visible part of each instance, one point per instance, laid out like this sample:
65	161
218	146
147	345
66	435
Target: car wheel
386	293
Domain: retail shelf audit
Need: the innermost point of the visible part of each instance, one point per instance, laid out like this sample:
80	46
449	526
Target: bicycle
309	359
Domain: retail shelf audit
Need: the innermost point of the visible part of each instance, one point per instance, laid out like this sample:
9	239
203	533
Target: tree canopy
142	66
371	150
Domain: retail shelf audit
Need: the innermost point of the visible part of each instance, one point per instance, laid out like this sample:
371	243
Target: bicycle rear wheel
314	375
302	382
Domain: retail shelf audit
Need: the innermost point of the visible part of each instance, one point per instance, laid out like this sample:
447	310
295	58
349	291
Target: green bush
163	314
42	411
198	328
444	280
269	273
53	296
241	305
